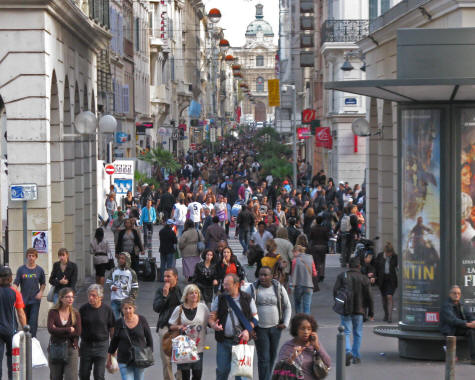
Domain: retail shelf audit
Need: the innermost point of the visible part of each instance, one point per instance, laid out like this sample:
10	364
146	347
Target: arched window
260	84
260	60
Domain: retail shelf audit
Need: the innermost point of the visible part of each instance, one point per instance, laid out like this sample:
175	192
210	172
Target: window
260	84
137	34
259	60
125	98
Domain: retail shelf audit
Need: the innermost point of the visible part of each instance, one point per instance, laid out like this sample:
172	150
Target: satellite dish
360	127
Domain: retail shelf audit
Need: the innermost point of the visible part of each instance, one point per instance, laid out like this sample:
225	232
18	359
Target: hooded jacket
125	279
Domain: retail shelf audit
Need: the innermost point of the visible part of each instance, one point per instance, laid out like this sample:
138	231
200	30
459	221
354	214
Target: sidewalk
380	359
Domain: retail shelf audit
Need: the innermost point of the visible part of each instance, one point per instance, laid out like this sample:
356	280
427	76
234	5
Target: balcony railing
344	30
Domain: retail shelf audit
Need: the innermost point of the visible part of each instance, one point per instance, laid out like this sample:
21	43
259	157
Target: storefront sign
420	229
274	92
351	101
303	133
308	116
323	137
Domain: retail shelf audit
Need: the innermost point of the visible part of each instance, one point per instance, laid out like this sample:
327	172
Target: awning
410	90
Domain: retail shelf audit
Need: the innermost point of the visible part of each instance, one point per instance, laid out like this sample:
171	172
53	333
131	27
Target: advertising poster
39	241
466	253
420	227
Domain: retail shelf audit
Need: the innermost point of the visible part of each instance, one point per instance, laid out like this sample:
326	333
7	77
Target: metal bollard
340	354
28	354
450	358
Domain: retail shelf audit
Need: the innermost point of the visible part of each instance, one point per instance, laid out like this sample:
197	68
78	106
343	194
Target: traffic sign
110	169
24	192
193	146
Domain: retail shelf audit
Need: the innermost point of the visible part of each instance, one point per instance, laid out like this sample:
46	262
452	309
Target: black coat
450	321
221	270
379	268
137	241
165	306
71	274
167	201
167	240
361	291
204	276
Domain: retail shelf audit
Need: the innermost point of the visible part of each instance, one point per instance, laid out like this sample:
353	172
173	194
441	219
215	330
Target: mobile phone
312	338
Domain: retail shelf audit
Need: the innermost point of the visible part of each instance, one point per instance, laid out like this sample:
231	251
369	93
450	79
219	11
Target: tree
160	158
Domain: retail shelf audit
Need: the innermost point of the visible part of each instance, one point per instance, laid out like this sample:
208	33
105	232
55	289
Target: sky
237	14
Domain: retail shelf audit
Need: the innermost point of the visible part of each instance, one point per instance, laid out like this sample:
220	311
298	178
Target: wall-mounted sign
351	101
323	137
39	241
303	133
25	192
308	116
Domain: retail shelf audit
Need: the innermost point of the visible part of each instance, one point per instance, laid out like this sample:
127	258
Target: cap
5	271
170	221
341	183
285	182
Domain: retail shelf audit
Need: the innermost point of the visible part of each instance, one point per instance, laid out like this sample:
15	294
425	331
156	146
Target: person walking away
457	320
360	299
111	207
123	283
188	244
129	241
221	211
64	325
132	330
303	271
285	250
168	245
179	214
214	234
233	317
97	322
99	248
32	282
118	225
167	200
319	238
245	223
10	301
274	312
194	210
147	220
191	319
386	278
305	346
64	273
345	236
167	298
205	276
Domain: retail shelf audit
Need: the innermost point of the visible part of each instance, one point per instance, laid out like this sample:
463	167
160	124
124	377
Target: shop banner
466	253
420	229
323	137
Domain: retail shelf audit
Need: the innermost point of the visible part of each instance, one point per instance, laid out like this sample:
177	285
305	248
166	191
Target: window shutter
125	98
121	36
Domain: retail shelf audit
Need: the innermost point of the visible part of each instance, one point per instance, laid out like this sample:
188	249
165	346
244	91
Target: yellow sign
274	92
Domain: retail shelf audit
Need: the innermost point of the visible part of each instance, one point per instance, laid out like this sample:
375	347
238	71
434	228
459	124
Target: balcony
344	30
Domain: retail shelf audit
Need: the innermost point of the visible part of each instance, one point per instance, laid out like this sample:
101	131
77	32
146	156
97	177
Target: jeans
266	347
180	229
244	236
353	323
197	225
147	235
32	310
55	298
115	306
6	341
302	299
131	372
93	354
167	260
223	360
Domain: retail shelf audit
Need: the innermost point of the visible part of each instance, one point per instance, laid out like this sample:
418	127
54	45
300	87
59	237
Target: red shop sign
323	137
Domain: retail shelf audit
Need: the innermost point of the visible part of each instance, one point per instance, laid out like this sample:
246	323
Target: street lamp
107	124
85	123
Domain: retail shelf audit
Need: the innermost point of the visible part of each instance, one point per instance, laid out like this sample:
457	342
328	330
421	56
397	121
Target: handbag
58	352
50	296
284	370
242	360
167	339
140	357
200	245
237	330
319	368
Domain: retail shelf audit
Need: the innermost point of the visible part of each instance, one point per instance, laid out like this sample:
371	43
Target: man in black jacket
167	201
168	243
167	298
245	221
361	298
456	319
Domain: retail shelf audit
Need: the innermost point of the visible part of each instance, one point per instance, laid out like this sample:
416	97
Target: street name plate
24	192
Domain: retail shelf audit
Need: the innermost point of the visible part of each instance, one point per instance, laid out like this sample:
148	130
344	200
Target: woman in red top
229	264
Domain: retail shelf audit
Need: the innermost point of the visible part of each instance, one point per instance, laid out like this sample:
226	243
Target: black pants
147	234
6	341
193	369
93	354
470	334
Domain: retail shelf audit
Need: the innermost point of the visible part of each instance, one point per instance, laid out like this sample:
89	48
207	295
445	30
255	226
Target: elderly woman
97	321
130	330
191	319
64	326
188	248
64	273
305	347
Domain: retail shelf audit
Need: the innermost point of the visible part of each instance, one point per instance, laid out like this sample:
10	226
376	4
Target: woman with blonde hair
64	326
386	278
191	319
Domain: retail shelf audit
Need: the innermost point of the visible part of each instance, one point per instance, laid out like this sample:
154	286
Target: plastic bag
38	357
50	296
242	359
184	350
114	367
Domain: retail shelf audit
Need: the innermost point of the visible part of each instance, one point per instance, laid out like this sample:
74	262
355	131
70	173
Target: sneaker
356	361
349	356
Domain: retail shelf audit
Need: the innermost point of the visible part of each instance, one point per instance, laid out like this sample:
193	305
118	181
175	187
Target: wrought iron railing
344	30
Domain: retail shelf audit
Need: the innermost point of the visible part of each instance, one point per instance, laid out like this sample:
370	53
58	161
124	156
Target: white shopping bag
38	357
114	367
242	359
184	350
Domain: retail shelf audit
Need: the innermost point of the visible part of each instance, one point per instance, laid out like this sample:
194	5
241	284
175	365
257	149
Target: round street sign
110	169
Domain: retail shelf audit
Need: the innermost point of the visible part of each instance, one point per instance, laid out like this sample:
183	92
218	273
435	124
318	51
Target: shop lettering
418	272
469	280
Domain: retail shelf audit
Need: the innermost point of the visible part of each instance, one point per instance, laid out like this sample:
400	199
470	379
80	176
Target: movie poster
420	229
466	253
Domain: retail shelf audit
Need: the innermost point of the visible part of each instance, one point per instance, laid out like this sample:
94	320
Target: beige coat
187	243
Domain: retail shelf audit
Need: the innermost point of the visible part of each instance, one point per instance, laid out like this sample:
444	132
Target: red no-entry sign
110	169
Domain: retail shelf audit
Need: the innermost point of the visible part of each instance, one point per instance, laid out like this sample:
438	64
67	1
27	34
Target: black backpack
344	297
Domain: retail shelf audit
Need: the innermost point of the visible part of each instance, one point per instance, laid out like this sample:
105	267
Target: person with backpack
352	293
274	312
348	229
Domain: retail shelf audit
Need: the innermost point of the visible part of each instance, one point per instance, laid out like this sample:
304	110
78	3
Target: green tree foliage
160	158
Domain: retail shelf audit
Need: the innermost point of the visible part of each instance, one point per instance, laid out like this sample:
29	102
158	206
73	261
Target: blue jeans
302	299
353	323
223	360
167	261
6	343
115	306
131	372
55	298
180	229
32	310
244	236
266	347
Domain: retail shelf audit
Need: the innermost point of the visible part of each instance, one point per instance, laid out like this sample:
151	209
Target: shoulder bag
58	352
319	368
169	336
140	357
316	288
200	245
